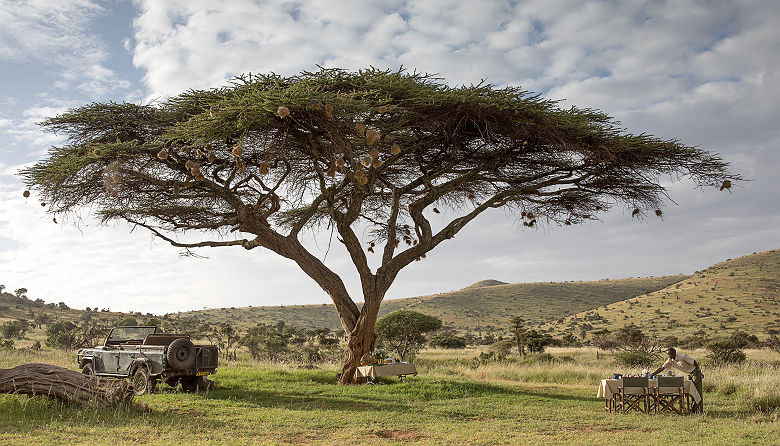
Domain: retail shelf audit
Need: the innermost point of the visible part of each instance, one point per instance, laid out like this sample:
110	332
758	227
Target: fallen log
64	385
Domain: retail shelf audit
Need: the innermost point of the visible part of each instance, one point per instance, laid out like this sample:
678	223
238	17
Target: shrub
444	341
692	342
636	358
744	340
502	347
670	341
13	329
726	352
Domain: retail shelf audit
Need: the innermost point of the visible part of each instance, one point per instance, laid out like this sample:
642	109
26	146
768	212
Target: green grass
517	402
738	294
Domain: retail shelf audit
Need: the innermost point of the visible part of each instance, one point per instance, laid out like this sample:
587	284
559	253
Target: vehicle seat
161	339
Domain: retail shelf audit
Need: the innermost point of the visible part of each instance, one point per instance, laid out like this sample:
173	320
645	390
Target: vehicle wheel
181	354
142	383
88	369
189	383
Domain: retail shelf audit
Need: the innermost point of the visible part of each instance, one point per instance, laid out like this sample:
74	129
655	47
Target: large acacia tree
373	152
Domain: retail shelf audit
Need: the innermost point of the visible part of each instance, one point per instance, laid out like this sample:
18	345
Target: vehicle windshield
130	333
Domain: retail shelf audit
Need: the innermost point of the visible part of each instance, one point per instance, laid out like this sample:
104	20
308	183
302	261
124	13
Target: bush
636	358
546	358
744	340
444	341
692	342
726	352
503	347
485	358
13	329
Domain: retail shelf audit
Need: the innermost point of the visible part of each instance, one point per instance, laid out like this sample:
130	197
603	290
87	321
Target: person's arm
659	370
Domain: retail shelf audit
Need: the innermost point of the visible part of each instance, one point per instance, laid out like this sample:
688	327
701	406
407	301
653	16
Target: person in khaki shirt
688	365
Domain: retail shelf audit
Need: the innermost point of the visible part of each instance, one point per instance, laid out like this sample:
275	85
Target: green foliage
537	342
502	347
447	341
636	358
725	352
281	343
14	329
66	335
742	339
127	322
265	342
629	338
403	331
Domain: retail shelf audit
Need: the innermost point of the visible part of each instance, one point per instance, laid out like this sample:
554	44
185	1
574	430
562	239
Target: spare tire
181	354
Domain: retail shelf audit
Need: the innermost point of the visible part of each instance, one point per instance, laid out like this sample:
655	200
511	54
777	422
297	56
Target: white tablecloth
608	387
372	371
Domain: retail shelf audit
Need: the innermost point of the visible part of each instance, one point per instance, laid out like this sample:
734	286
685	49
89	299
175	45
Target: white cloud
59	33
703	72
26	131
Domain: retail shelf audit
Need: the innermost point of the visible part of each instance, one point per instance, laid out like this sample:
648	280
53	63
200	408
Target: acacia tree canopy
258	161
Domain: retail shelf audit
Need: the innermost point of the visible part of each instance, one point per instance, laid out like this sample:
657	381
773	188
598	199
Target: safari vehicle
146	355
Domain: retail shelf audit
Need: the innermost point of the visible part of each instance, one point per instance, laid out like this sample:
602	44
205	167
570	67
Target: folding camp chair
670	395
633	391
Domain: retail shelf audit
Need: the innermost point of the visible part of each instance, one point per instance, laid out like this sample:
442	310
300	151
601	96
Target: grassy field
742	293
453	401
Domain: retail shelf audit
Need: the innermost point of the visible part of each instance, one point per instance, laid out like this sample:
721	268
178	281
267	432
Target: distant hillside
485	283
487	305
742	293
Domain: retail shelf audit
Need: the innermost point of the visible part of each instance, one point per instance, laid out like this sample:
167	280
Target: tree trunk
64	384
361	340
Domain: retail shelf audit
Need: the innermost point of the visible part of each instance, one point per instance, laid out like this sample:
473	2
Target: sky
704	72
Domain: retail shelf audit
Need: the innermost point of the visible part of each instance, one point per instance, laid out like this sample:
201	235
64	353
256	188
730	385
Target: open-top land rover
145	355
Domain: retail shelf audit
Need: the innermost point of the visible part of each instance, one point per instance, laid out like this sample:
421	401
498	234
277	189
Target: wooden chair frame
633	399
667	400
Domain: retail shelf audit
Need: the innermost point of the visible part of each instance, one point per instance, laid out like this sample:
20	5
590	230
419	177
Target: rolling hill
742	293
736	294
485	305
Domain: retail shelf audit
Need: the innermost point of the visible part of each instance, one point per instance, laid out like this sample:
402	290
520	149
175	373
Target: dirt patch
190	412
601	428
399	435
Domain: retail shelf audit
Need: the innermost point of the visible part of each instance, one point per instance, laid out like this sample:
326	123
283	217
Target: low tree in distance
66	335
389	154
14	329
725	352
519	333
772	342
265	342
537	342
126	321
403	331
448	341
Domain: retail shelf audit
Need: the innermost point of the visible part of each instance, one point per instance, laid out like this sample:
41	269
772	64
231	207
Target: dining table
608	389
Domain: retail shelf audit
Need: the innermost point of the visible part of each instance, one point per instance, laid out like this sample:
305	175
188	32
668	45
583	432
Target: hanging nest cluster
112	178
529	219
